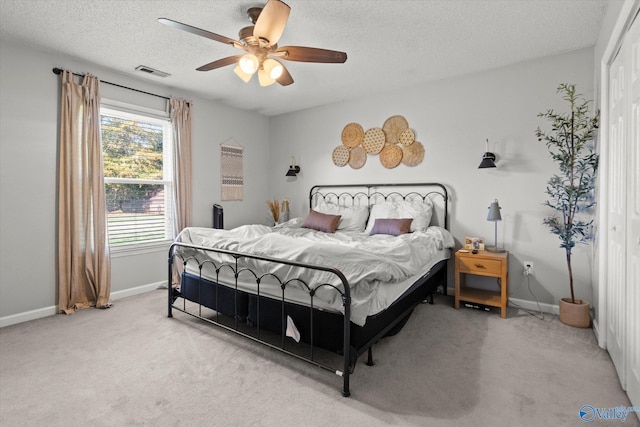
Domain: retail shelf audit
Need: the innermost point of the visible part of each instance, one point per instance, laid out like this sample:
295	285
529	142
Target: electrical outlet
528	268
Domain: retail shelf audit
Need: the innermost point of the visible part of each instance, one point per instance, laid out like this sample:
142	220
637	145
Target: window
136	151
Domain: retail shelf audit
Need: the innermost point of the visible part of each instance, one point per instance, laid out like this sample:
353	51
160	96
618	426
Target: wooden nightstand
483	263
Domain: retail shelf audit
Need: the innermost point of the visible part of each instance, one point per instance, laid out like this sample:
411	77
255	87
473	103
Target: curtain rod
59	71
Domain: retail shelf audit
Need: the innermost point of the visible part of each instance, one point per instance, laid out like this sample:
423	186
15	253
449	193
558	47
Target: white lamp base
494	249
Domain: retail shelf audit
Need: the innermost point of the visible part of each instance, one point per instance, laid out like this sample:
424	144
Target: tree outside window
137	176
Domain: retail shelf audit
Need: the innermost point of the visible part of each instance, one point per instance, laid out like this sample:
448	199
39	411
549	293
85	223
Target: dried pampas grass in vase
274	207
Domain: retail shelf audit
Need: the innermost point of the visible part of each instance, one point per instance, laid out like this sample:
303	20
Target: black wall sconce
294	169
488	159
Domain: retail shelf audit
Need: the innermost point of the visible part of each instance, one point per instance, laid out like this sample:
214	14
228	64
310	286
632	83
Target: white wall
28	150
452	118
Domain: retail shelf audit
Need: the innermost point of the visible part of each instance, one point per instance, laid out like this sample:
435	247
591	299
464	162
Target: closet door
616	245
633	217
623	246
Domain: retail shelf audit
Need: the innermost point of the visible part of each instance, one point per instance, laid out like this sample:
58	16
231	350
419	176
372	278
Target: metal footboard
233	263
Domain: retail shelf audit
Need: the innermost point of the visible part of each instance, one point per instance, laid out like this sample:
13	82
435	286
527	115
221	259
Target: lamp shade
264	78
244	76
494	215
293	171
249	63
273	68
494	212
487	161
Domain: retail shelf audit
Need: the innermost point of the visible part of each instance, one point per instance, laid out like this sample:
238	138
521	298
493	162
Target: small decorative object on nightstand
483	263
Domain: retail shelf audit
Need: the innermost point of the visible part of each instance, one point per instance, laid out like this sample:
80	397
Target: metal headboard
369	194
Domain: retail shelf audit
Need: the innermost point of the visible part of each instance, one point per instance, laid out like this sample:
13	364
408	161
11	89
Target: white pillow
381	211
353	218
418	210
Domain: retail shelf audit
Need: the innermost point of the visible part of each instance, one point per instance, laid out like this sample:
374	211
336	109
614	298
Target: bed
334	282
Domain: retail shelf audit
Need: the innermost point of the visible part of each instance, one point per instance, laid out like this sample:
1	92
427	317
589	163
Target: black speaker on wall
218	216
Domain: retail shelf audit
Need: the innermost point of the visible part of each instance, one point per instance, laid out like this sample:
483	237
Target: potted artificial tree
570	144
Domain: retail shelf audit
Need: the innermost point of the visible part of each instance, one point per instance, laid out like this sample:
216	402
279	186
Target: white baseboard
602	343
27	316
50	311
138	290
523	303
533	306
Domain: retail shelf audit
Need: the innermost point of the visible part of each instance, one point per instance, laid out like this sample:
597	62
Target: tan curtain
84	264
181	121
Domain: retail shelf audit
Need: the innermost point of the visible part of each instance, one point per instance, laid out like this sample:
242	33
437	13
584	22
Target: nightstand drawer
479	266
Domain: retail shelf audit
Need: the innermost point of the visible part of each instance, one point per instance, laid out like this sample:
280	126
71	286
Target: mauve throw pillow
393	226
321	222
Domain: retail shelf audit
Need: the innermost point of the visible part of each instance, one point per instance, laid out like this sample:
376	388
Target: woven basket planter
577	315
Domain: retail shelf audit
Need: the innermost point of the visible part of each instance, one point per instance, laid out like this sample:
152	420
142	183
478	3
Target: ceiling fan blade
220	63
285	78
198	31
272	20
310	54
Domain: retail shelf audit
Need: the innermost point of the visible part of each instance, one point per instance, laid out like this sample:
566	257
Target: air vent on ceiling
150	70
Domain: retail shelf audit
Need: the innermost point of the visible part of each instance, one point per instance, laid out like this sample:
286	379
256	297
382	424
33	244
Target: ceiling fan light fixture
273	67
260	41
244	76
264	78
249	63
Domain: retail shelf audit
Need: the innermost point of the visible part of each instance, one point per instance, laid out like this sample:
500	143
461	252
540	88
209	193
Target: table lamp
494	215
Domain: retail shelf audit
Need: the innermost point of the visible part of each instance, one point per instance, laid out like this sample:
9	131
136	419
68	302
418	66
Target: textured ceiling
390	44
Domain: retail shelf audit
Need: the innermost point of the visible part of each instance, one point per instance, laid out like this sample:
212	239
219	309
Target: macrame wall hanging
231	175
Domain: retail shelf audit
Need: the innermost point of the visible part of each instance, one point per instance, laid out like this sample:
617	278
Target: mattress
379	268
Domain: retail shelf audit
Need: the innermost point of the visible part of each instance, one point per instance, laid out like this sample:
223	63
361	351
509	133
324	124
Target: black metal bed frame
236	322
372	192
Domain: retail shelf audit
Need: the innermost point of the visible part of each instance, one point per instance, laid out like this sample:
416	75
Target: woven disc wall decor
412	155
357	158
373	140
340	155
392	128
352	135
390	156
406	137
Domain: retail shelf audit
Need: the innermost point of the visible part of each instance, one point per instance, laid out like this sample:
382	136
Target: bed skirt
268	314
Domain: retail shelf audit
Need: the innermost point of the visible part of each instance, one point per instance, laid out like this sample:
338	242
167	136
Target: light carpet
131	365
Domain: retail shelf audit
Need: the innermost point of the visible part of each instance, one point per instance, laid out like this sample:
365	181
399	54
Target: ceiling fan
260	42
